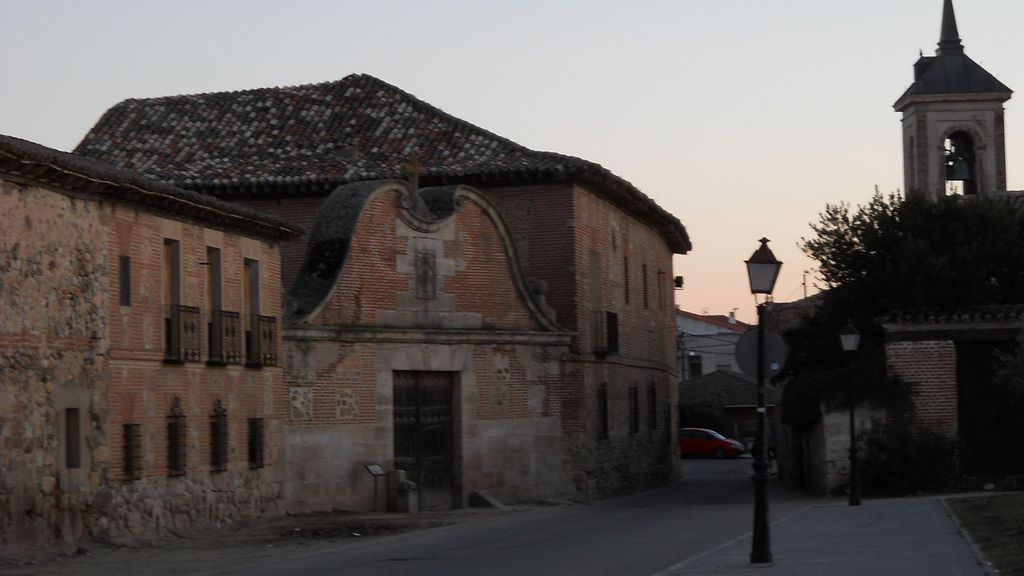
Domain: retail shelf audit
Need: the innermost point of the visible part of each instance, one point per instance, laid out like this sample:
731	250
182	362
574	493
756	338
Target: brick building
444	340
594	246
139	388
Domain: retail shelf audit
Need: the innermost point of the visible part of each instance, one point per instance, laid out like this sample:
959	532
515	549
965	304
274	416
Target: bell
960	170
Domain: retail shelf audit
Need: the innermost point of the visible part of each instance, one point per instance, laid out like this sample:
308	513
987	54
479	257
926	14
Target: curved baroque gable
414	231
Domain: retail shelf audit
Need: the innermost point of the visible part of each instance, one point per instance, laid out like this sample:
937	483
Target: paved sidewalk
897	537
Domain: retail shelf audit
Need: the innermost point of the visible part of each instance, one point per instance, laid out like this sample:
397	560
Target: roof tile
354	129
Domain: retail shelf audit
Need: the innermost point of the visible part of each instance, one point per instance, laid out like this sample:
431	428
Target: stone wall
835	444
507	435
69	349
53	345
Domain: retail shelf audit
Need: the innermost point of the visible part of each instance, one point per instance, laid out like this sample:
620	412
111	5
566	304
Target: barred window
218	438
177	440
255	443
132	451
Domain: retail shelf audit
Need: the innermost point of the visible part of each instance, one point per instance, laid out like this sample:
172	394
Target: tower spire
950	39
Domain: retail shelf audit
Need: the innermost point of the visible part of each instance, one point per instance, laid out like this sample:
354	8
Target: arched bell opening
960	164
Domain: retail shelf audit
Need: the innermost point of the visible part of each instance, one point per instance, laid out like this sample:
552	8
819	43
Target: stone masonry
84	351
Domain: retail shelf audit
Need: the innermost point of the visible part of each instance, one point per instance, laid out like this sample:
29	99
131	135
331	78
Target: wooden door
423	434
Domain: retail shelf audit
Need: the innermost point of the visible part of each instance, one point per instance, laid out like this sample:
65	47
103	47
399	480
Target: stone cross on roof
413	171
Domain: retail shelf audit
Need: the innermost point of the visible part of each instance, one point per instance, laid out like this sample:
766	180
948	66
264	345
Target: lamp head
763	269
849	338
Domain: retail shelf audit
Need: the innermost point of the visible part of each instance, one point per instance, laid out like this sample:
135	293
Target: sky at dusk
744	118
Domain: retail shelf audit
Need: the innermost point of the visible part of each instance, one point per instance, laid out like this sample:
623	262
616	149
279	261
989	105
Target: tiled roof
30	163
718	320
995	313
951	71
725	388
952	74
310	139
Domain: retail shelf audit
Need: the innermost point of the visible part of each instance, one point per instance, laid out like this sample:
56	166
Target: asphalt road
642	534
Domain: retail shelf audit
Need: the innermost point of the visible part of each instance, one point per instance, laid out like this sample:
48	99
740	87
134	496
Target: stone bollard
408	497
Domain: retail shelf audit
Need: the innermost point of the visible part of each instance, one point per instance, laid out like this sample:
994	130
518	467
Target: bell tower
953	137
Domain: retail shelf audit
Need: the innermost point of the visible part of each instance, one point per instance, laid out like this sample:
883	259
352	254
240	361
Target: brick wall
555	231
473	270
53	317
541	221
76	346
474	325
931	367
299	211
585	247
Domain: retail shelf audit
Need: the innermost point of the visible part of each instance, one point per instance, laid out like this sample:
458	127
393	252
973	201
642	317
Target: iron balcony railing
182	338
261	341
224	337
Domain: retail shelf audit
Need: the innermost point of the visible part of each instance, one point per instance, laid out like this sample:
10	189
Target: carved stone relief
301	403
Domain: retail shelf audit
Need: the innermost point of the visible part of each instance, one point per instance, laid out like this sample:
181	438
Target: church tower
953	137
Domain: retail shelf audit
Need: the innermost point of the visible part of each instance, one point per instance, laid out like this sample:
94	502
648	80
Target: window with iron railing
224	337
182	338
261	341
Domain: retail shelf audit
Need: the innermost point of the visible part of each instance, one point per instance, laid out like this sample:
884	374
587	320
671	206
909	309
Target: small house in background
706	343
141	383
726	401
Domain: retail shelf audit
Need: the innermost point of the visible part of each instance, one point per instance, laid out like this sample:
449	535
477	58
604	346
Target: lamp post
762	271
850	340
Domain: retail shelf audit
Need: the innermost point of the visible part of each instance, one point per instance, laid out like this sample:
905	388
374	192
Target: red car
704	442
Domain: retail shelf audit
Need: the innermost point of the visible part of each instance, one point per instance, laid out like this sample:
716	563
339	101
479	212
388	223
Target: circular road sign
775	351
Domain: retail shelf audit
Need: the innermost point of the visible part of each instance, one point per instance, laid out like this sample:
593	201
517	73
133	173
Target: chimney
732	317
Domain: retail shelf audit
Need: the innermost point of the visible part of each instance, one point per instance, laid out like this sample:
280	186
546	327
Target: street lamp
762	270
850	340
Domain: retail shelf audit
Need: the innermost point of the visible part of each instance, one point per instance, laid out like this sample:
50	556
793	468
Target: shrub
897	460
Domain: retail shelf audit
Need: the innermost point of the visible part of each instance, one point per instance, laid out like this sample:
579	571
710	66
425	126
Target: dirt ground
246	538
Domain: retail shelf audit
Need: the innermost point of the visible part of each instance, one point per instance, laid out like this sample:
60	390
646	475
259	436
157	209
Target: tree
893	255
1010	370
